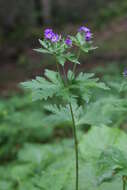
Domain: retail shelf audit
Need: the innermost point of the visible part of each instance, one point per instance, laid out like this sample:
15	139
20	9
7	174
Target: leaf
6	185
123	86
62	115
84	86
91	116
87	47
44	155
42	88
61	174
93	47
72	58
53	77
103	137
27	184
111	162
21	171
61	59
106	148
58	178
58	115
80	87
102	152
85	76
80	38
43	43
109	109
86	80
40	50
70	75
84	49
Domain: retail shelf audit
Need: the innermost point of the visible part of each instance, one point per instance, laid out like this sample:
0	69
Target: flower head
88	36
84	29
68	41
48	33
125	73
55	38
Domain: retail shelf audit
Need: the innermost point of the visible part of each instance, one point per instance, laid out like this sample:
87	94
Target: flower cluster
54	37
88	34
50	35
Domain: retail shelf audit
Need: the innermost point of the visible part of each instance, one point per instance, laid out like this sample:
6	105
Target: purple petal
55	38
84	29
68	41
88	36
48	33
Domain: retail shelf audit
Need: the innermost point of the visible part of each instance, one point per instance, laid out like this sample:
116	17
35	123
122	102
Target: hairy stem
78	55
65	76
75	136
124	182
58	69
76	146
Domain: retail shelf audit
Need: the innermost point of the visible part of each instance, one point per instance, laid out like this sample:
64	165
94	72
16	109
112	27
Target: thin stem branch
65	76
124	182
76	146
58	69
78	55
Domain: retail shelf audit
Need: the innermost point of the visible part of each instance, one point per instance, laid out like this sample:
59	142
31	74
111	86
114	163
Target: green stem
76	146
65	76
124	182
74	68
75	137
58	68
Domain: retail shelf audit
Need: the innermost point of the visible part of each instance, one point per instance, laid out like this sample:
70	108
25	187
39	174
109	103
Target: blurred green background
22	24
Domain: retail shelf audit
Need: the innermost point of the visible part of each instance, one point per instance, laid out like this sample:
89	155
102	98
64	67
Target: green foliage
112	76
72	58
42	88
83	84
61	115
111	162
102	157
21	120
83	45
86	85
58	50
109	156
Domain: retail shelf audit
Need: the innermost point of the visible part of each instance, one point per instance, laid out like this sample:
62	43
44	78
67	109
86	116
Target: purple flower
84	29
55	38
48	33
88	36
125	73
68	41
